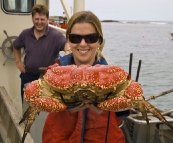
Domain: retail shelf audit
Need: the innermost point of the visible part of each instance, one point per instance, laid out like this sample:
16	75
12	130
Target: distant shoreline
109	20
137	22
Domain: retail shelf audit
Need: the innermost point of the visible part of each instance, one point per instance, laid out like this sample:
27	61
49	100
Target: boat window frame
16	12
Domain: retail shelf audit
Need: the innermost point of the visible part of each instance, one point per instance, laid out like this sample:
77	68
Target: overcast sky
140	10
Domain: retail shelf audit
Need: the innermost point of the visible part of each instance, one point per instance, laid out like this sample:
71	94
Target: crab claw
37	95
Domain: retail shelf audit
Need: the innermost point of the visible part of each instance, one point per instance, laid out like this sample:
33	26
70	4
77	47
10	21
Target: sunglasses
89	38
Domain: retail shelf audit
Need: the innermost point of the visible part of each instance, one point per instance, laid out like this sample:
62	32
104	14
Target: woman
86	123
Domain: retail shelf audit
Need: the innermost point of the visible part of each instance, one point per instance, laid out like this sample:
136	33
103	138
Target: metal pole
66	9
79	5
130	64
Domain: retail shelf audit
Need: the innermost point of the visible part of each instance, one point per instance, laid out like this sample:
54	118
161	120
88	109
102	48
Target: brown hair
86	17
39	8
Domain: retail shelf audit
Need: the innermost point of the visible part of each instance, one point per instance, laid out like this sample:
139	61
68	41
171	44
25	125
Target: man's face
40	22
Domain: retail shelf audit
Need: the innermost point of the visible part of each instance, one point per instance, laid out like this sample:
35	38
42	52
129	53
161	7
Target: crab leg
129	97
38	96
135	93
39	104
47	104
29	116
142	109
116	104
156	113
126	93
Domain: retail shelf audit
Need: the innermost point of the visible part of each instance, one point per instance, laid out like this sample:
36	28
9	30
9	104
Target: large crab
64	87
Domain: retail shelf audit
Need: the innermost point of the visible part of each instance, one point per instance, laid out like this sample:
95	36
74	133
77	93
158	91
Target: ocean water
149	42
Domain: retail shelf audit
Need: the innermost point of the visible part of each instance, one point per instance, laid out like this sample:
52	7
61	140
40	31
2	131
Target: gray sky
140	10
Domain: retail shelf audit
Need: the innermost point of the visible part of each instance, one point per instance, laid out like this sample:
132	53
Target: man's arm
20	65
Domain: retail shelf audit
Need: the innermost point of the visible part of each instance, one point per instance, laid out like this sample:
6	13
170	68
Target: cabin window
17	6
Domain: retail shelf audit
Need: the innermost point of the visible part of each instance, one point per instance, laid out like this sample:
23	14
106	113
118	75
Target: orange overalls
65	127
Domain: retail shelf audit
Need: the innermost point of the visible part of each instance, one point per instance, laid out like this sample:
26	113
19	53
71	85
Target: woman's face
84	52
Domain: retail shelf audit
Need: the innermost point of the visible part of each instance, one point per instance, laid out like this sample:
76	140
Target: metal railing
10	130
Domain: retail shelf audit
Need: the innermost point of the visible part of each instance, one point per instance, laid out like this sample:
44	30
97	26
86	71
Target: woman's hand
67	52
87	105
95	109
67	49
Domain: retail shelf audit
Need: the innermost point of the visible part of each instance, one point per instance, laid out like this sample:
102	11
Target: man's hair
39	8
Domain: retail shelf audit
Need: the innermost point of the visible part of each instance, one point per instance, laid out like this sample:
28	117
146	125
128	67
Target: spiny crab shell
73	85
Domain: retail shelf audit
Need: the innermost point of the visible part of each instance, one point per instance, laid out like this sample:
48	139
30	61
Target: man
41	43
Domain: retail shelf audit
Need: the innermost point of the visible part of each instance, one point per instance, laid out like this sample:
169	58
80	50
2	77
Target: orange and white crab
64	87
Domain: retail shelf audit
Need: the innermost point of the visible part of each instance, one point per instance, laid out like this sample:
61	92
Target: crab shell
73	85
86	82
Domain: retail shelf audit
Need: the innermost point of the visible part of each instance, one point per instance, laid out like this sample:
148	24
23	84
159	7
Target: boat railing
10	130
137	130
